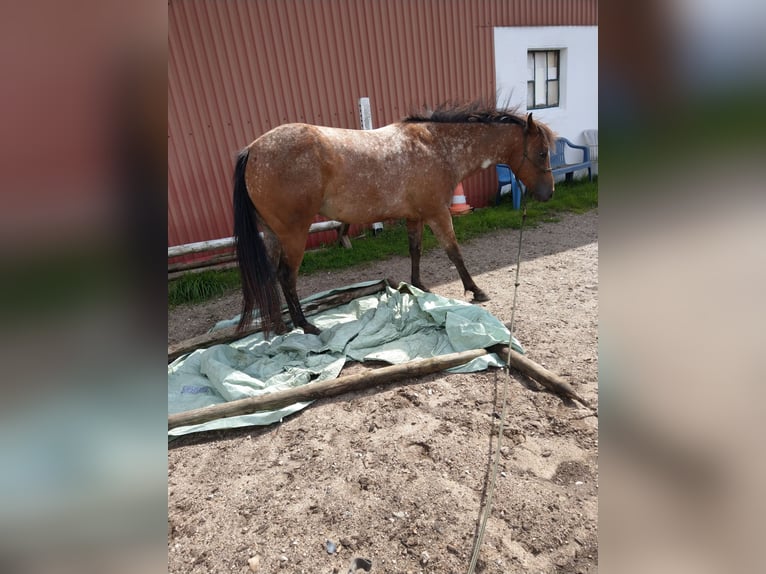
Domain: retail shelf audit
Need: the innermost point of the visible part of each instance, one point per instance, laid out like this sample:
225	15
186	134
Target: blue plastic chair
559	163
504	177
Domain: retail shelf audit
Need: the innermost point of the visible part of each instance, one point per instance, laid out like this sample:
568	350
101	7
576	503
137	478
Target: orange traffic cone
459	205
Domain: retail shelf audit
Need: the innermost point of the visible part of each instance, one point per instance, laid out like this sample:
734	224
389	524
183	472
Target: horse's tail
259	284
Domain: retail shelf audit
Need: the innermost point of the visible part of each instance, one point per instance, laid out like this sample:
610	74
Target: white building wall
578	98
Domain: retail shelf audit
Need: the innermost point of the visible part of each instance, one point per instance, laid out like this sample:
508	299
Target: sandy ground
397	474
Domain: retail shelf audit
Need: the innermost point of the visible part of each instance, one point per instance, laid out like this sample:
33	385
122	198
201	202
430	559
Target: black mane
477	111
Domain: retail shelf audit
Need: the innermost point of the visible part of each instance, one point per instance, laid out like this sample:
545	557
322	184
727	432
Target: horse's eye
543	154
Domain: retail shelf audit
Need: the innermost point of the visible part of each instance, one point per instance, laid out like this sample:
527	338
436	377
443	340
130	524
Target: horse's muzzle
543	192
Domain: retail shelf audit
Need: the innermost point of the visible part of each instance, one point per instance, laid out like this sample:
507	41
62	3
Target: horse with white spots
407	170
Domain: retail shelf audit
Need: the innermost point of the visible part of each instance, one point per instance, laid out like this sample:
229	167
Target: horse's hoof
279	329
310	329
480	296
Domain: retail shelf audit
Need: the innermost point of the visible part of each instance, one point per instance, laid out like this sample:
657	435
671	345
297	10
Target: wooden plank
202	246
324	226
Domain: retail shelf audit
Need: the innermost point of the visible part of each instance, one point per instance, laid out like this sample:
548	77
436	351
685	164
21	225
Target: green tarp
393	325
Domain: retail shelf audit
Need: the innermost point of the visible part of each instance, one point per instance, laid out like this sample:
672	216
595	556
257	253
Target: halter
526	157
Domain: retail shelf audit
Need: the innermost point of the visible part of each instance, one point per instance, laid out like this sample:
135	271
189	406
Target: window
542	79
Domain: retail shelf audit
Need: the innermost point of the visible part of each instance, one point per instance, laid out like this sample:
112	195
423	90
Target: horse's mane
476	111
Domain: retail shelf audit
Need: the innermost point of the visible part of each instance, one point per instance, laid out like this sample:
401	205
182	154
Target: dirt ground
397	474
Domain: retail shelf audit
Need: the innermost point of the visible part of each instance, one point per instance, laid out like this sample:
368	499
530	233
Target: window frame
532	83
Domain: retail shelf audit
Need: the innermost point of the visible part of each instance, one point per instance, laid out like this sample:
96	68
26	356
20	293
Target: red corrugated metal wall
239	68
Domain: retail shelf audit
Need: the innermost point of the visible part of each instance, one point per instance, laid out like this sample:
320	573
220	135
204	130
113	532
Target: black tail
259	283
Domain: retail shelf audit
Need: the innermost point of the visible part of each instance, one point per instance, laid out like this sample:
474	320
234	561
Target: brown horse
406	170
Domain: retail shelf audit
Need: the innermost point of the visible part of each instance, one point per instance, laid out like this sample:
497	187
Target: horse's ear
531	127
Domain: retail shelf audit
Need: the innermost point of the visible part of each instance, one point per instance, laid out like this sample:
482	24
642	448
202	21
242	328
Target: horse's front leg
441	225
415	238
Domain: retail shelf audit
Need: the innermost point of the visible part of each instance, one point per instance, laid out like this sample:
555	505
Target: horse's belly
365	210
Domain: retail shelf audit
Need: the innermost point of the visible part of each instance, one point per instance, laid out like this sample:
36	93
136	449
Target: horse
406	170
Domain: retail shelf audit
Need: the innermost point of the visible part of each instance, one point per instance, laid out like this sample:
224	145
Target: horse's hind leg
288	280
287	272
441	225
415	237
274	250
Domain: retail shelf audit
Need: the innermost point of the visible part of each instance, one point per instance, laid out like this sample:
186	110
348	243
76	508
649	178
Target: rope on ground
491	490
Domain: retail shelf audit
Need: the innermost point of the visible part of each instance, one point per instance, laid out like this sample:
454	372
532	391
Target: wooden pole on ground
324	389
213	267
212	260
369	378
548	379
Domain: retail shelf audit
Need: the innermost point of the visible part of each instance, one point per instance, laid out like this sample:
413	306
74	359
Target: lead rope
490	491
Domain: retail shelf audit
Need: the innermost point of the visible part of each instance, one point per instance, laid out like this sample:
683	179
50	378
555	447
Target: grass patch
200	287
577	197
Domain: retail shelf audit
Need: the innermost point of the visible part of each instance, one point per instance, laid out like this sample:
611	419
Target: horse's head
535	167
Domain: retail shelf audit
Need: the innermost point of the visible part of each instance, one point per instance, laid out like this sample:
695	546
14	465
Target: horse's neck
471	147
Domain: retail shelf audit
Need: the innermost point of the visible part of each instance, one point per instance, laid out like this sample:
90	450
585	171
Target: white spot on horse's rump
486	163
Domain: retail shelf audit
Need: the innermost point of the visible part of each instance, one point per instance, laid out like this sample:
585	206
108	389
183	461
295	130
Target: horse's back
286	140
355	176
